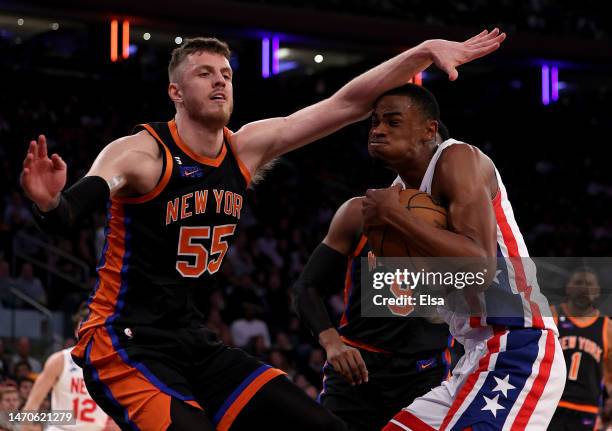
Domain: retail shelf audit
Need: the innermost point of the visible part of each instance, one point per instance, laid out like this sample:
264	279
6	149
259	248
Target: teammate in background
509	360
64	379
586	339
375	366
176	191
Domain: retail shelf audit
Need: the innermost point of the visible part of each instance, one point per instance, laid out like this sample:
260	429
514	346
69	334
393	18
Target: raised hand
449	55
43	178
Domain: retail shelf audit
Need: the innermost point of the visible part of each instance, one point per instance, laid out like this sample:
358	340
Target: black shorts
572	420
394	382
135	374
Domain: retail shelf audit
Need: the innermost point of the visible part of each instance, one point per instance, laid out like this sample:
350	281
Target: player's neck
202	140
574	311
412	171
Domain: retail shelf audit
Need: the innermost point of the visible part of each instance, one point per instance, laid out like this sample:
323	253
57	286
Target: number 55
202	263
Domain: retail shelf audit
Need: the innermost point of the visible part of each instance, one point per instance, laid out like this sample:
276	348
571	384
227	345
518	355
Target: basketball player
64	379
586	338
375	366
512	373
176	193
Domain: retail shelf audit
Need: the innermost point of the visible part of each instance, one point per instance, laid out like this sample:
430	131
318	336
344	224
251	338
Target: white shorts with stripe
512	380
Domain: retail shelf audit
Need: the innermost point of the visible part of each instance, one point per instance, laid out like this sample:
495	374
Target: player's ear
431	129
174	92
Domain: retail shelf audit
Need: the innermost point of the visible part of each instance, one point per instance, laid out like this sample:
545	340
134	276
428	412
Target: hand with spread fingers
43	177
448	55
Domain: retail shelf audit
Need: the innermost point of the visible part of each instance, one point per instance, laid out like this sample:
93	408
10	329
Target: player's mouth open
218	96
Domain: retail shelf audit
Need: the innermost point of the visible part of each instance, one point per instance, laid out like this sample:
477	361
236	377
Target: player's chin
380	154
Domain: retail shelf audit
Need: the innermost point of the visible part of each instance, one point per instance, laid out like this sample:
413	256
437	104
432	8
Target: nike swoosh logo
189	173
427	365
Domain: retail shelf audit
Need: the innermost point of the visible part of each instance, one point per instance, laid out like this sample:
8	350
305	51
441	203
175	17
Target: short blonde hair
197	44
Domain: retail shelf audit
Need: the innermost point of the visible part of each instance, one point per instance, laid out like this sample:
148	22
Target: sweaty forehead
394	103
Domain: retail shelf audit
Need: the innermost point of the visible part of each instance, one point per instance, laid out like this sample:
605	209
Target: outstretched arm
45	381
261	141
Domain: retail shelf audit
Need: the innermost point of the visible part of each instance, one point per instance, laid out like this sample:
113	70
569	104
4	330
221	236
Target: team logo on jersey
191	171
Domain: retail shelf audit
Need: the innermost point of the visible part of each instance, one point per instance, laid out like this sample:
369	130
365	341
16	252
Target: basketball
386	241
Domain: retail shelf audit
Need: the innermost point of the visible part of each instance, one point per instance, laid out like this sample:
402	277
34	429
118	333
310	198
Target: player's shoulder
462	157
346	224
135	151
351	209
461	152
55	363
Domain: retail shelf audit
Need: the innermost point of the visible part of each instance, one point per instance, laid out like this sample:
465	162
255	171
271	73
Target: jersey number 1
201	257
574	366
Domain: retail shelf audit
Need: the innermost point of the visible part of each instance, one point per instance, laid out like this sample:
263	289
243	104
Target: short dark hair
443	131
197	44
426	101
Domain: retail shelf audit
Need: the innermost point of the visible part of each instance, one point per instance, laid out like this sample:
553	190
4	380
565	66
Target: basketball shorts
135	374
512	380
394	382
572	420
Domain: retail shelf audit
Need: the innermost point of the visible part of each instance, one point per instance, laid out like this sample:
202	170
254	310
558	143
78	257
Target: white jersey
70	393
518	282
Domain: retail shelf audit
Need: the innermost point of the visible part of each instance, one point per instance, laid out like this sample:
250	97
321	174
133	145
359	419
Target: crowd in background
549	156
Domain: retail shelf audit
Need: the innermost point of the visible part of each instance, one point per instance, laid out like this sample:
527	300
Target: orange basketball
386	241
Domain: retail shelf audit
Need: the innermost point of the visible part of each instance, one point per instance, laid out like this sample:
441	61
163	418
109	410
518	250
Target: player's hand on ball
378	203
43	178
449	55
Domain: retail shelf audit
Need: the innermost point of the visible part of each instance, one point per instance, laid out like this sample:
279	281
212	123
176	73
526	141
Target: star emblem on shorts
492	405
503	385
495	279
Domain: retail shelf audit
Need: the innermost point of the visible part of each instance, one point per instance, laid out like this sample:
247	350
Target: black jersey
585	349
401	335
162	249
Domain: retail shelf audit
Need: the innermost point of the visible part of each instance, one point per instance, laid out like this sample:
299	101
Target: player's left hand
378	203
448	55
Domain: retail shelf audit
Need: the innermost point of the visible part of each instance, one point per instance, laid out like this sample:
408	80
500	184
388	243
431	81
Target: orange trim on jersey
147	407
605	337
586	408
245	171
216	162
362	242
162	182
245	396
364	346
348	281
109	279
580	323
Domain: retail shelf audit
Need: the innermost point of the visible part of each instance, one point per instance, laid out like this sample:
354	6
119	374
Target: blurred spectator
16	214
314	369
9	398
243	330
279	360
24	386
23	370
216	324
23	354
31	285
